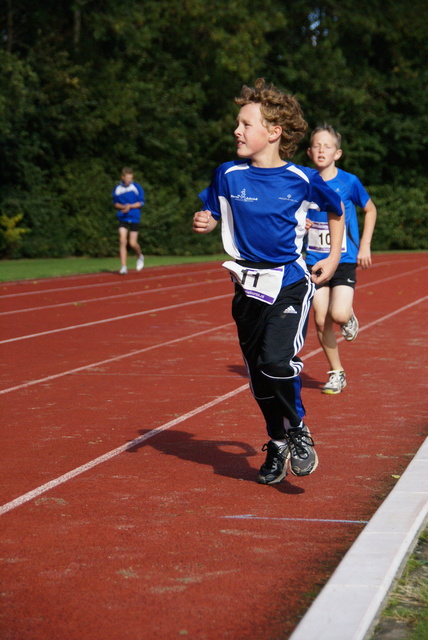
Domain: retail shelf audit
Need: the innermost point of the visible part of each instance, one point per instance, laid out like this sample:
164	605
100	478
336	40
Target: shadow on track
228	458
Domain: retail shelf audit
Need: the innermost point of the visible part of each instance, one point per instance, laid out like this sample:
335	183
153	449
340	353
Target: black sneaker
274	468
303	458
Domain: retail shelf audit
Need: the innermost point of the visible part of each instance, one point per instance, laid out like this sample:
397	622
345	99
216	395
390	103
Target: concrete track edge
347	606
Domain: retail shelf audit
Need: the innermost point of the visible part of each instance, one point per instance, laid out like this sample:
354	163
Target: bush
402	220
72	214
10	234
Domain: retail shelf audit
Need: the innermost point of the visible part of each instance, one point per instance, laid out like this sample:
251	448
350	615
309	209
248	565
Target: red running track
131	443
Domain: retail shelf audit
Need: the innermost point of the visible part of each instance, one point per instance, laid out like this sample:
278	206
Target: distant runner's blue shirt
263	211
128	195
352	193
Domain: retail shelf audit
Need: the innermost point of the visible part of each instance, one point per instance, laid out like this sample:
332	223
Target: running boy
262	200
128	198
333	300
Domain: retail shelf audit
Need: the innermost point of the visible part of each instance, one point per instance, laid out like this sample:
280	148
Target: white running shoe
350	328
140	263
123	271
303	458
336	382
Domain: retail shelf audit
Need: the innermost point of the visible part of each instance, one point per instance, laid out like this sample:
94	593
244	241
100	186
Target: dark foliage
87	87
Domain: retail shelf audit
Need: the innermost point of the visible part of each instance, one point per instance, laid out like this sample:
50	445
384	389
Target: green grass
35	269
406	611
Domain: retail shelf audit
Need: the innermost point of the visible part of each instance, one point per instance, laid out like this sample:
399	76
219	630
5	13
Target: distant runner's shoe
274	469
350	328
123	271
303	458
140	263
336	382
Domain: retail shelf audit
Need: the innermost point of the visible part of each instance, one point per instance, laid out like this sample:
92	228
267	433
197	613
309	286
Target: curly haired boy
262	200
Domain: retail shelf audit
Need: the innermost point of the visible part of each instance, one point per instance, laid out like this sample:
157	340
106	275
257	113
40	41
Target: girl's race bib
263	284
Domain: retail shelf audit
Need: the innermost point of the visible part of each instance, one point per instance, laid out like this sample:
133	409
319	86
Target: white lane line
138	351
392	314
115	319
72	303
115	452
94	285
113	359
107	456
250	516
393	261
110	283
372	324
119	295
161	289
106	320
375	282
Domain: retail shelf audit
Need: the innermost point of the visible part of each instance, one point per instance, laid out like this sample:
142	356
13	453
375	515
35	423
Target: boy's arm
126	207
364	258
203	222
324	269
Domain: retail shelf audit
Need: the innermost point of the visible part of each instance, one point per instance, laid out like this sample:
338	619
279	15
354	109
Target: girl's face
323	151
252	135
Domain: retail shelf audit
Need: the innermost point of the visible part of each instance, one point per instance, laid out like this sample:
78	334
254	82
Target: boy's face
127	179
323	151
251	134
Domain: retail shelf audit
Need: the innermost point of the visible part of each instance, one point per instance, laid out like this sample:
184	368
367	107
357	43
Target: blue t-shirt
263	211
352	193
128	195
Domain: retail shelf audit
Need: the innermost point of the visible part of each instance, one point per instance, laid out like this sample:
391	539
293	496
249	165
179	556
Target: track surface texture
131	444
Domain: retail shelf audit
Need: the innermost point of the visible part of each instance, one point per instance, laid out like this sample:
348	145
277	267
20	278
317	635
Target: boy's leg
133	243
340	307
270	337
123	245
342	298
250	316
284	336
325	327
344	282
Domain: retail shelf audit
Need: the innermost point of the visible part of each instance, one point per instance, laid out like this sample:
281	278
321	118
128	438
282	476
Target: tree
362	69
89	86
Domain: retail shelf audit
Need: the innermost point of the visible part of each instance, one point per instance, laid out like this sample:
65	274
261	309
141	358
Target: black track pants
270	337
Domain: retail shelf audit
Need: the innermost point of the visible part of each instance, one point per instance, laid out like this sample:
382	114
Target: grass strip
36	269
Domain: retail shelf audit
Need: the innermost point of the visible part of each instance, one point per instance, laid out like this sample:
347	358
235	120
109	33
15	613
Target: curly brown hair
278	109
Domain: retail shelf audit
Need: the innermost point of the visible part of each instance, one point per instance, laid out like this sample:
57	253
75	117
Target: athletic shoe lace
274	455
335	379
299	441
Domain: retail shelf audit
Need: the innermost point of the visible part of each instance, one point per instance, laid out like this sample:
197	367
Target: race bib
319	238
263	284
